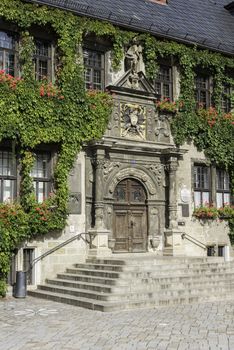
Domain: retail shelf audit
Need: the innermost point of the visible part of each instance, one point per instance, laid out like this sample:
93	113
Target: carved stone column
172	207
99	246
173	239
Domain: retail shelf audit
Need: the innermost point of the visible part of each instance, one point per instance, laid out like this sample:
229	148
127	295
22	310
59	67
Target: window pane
158	88
42	69
42	59
41	175
1	60
42	192
9	63
202	93
226	100
205	198
227	198
219	200
163	82
6	41
197	199
41	165
7	164
42	48
166	91
93	69
201	177
8	190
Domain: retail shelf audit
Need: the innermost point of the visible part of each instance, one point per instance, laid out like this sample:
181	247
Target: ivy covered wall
34	113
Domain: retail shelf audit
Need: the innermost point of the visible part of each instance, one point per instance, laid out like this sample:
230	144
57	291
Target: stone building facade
132	191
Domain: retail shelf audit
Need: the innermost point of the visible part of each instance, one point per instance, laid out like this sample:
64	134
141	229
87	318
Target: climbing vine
64	114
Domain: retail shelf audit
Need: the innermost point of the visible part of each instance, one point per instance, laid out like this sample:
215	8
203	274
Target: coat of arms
133	120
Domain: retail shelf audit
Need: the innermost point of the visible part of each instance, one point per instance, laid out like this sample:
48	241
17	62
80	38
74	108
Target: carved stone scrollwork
137	174
133	120
105	165
172	166
157	169
98	163
162	130
114	122
150	121
108	167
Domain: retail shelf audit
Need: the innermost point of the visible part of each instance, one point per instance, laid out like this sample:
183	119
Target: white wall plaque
185	195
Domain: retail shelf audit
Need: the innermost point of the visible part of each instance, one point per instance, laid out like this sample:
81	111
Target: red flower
42	91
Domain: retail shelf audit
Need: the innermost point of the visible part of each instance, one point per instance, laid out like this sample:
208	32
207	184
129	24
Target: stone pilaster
172	206
173	239
100	234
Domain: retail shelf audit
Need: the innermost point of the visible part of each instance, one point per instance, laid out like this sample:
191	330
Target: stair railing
81	235
194	240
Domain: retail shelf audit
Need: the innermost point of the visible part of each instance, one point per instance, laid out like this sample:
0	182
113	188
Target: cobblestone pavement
34	324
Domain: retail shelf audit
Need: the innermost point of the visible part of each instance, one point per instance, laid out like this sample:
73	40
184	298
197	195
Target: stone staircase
139	281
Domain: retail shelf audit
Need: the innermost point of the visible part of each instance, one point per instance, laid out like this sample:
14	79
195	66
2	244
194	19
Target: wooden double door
130	217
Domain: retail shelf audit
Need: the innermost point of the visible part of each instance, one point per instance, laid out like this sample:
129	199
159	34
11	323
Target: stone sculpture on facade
133	120
134	63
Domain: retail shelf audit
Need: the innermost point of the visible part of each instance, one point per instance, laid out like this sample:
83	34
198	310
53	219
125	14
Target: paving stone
40	324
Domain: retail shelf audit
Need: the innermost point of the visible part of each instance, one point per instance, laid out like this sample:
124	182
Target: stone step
147	286
149	273
149	259
105	267
124	305
89	279
147	280
92	272
112	284
157	293
102	288
120	268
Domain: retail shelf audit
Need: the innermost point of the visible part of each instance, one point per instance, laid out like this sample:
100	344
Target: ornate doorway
130	217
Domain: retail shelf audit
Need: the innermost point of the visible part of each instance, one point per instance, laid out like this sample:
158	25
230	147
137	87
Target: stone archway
130	226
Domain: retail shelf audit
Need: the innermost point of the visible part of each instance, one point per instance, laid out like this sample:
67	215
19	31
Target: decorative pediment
135	81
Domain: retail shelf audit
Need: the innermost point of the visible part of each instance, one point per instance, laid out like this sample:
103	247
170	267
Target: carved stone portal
138	174
133	119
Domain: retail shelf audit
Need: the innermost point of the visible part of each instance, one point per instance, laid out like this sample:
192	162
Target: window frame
202	189
162	82
207	90
99	50
13	51
226	105
12	177
43	179
223	191
212	187
37	58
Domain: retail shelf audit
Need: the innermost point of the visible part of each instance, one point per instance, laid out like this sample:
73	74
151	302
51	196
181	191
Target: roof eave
138	29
